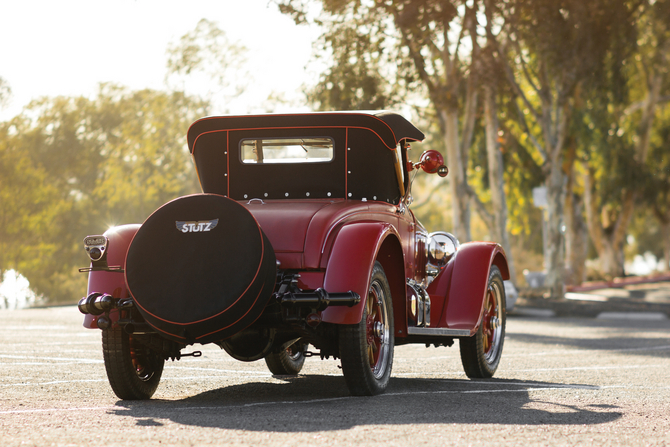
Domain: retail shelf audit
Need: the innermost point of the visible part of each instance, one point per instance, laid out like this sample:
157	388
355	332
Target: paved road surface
561	382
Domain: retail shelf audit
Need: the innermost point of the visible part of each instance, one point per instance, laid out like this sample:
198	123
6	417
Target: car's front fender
465	283
112	283
350	265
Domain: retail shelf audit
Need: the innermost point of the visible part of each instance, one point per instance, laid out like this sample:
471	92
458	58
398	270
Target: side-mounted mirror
432	162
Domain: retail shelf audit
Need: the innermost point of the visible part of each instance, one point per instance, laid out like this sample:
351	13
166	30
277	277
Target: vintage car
302	237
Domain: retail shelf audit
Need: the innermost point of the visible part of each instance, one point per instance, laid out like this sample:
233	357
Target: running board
437	332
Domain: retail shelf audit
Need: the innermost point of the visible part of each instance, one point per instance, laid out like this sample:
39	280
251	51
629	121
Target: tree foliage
355	79
618	125
75	166
5	93
206	61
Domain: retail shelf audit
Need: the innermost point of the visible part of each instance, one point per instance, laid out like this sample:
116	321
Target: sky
68	47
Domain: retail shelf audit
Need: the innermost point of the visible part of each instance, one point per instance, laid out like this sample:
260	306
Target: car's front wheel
133	369
481	353
366	348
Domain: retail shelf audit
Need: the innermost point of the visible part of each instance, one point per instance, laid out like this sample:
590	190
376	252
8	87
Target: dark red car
303	235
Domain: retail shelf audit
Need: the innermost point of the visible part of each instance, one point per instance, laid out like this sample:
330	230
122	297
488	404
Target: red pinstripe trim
168	333
227	162
346	163
197	173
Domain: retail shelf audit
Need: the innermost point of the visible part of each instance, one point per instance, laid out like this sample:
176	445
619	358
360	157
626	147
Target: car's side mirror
432	162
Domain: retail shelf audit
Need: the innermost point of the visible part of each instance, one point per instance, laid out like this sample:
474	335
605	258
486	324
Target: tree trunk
608	238
497	183
457	180
576	231
556	187
611	258
576	236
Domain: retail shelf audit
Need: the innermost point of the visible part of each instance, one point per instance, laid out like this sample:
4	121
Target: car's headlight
441	247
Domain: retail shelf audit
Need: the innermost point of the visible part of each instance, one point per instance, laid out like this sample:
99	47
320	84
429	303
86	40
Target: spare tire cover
200	269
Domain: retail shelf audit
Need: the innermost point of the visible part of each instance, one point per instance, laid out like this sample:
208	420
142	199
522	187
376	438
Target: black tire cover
200	269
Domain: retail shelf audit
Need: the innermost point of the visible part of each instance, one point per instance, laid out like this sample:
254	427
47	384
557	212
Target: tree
206	57
616	177
576	229
492	71
656	190
358	77
146	159
75	166
27	204
553	48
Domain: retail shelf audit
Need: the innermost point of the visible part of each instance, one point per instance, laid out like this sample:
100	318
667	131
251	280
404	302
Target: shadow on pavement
317	403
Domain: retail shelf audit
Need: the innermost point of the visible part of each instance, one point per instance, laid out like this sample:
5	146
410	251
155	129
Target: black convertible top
389	126
363	163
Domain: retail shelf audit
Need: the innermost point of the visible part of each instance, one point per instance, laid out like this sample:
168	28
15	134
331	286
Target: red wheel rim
141	364
491	322
377	329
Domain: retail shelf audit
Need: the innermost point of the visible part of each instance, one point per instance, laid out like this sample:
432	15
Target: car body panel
112	283
459	291
350	263
286	224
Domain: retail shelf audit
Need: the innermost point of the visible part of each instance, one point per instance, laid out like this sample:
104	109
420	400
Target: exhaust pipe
97	303
320	299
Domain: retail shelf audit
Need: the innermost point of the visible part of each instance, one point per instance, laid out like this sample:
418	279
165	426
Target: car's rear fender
464	283
355	249
112	283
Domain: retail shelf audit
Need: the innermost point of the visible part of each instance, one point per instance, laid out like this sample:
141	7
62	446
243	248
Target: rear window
286	150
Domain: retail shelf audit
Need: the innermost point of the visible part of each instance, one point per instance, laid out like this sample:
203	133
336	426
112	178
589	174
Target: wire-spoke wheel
287	362
481	353
133	369
366	348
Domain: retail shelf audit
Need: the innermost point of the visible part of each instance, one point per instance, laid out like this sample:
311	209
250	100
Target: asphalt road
562	381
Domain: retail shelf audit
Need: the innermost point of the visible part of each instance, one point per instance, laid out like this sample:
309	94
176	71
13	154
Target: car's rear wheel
287	362
133	369
481	353
366	348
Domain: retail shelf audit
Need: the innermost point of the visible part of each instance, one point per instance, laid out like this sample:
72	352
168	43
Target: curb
640	316
613	309
630	298
532	312
618	283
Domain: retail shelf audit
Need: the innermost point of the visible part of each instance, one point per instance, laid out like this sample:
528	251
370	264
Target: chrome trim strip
440	332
